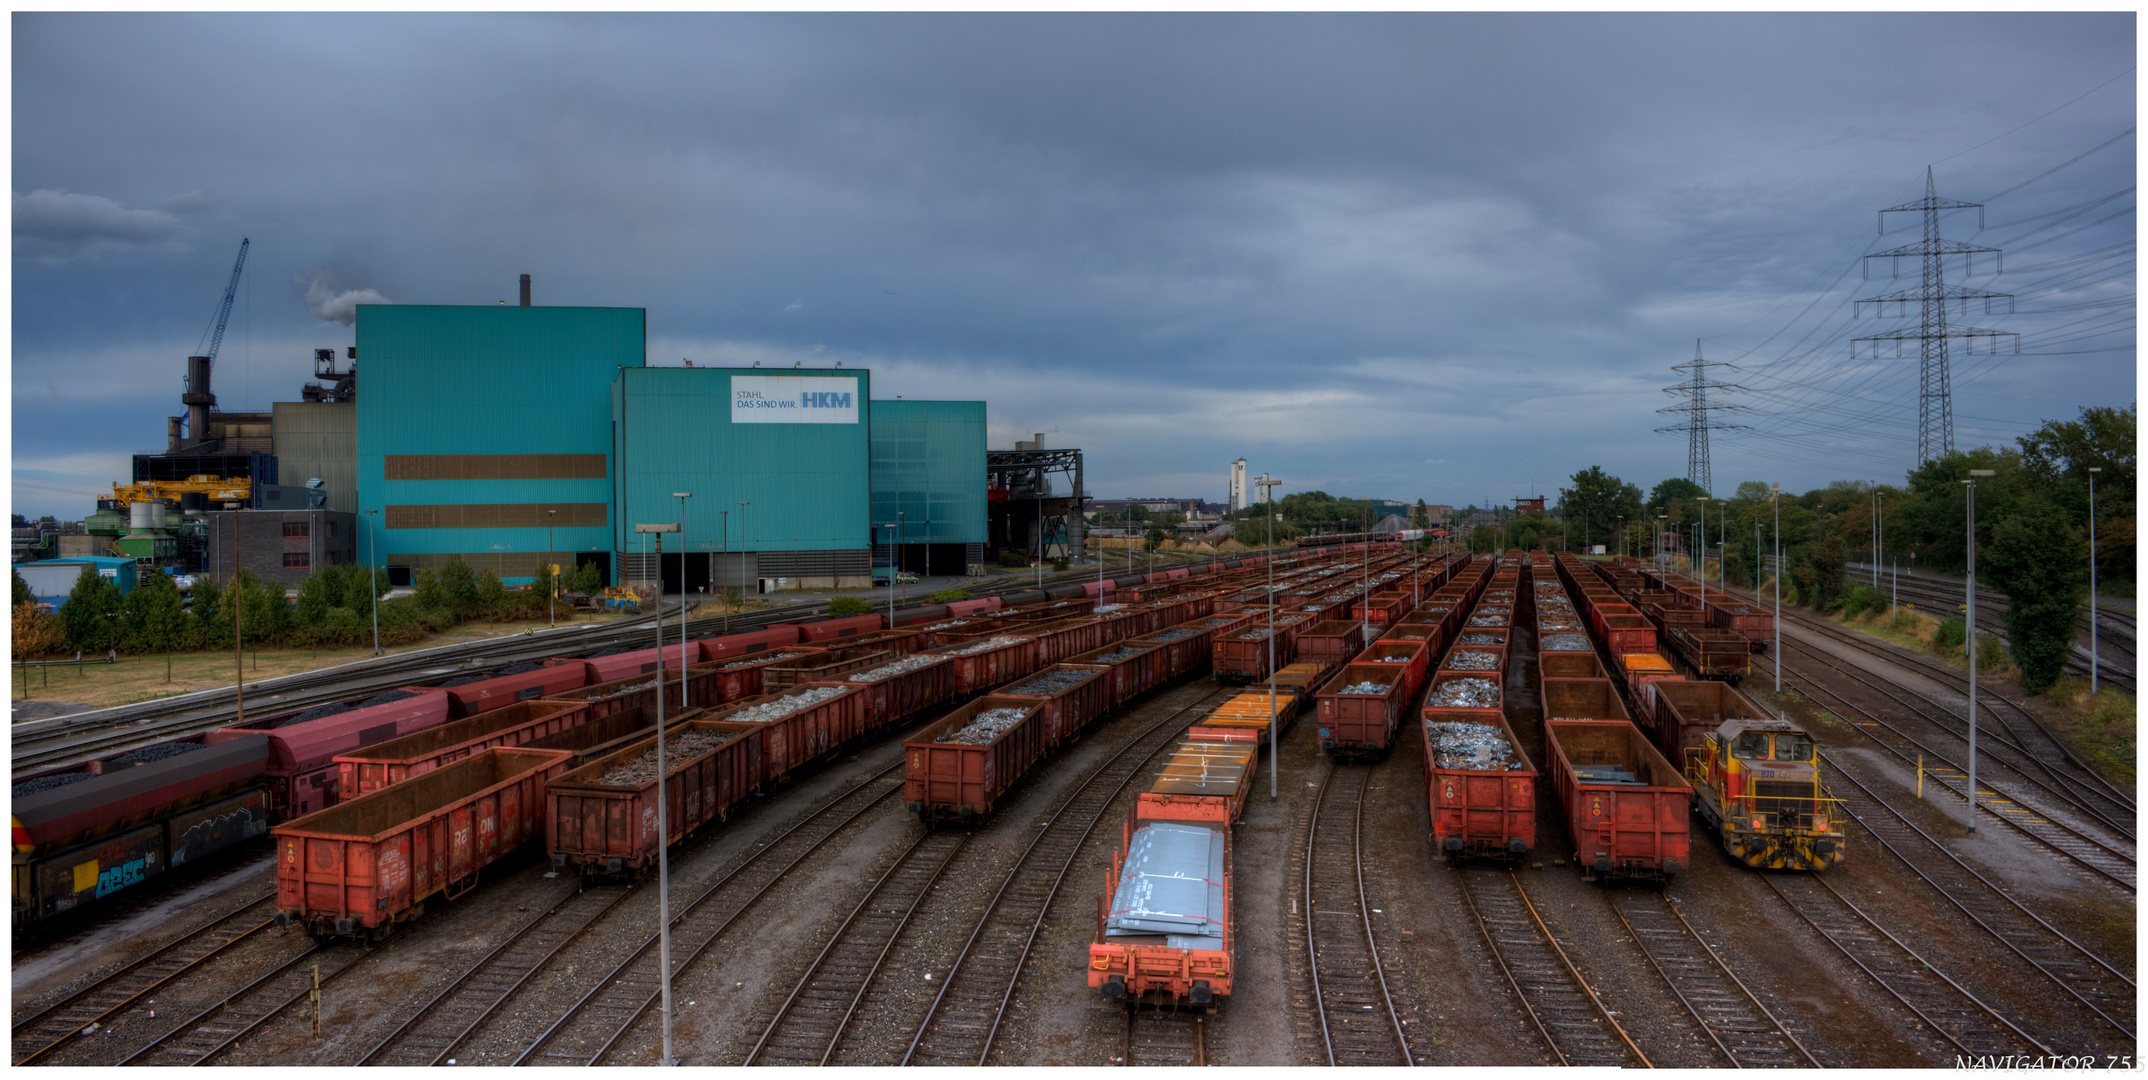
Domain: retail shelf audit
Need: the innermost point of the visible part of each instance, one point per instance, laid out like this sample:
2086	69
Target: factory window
498	516
296	560
493	467
294	529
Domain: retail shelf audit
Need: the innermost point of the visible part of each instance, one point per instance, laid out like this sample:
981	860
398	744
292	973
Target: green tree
2041	563
587	579
459	587
2060	454
22	590
91	613
1593	507
848	605
492	599
1421	516
155	617
1672	494
210	625
1483	540
1154	539
1824	560
431	594
35	631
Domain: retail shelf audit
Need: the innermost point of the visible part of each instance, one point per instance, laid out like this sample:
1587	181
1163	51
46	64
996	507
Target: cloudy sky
1418	256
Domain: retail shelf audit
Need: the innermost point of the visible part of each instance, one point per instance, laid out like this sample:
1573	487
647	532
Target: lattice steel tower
1696	410
1935	396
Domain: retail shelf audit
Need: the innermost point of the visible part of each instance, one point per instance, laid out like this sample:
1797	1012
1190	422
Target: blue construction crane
196	396
231	292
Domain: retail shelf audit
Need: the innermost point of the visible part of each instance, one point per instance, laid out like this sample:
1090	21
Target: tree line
334	609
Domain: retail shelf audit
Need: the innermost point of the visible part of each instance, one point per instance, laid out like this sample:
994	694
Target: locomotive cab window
1750	744
1793	748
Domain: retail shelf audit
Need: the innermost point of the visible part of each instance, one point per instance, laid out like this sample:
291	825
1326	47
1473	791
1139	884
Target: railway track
2112	861
1358	1021
1159	1036
211	1033
2072	968
1574	1023
2021	727
441	1024
64	1021
1742	1028
595	1023
809	1026
959	1026
2115	626
1971	1027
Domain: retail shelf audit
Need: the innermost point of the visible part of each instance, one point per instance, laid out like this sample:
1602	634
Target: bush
948	596
1862	599
1059	565
1014	560
848	605
35	632
1952	634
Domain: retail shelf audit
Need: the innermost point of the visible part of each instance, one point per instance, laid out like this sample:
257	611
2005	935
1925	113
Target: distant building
1238	485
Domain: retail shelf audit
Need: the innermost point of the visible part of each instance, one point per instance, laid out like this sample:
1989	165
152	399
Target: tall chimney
525	290
197	398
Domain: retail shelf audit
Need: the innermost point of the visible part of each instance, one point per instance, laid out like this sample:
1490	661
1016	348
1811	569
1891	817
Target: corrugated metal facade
807	483
320	439
929	464
489	381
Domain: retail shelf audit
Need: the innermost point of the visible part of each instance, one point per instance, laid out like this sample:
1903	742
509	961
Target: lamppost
1877	509
1663	561
551	609
372	586
890	527
1774	503
896	578
1700	548
663	820
1267	493
724	516
682	496
2095	661
1970	524
742	539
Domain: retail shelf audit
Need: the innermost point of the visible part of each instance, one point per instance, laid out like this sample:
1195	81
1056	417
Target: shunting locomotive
1757	782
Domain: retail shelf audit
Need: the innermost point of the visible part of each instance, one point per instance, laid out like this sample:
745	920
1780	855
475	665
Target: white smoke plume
338	307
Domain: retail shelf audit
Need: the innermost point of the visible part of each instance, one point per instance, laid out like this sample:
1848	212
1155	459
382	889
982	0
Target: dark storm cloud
1341	247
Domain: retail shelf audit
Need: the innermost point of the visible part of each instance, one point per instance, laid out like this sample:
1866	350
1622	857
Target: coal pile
678	747
1123	652
784	706
984	727
1052	682
897	667
521	669
1464	660
36	784
387	698
316	713
462	680
1466	694
758	660
1472	747
158	752
986	645
1566	643
1177	634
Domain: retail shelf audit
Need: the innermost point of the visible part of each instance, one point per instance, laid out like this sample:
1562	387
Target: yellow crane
217	488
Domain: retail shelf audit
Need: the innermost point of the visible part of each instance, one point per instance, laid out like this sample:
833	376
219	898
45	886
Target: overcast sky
1436	256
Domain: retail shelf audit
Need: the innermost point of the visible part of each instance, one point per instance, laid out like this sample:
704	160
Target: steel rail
198	1024
2064	797
1341	949
930	841
62	1022
2022	941
649	987
490	992
1170	727
1904	977
1533	934
1985	799
1171	1050
1690	967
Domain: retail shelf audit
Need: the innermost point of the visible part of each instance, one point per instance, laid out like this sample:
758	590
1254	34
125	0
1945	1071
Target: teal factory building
506	436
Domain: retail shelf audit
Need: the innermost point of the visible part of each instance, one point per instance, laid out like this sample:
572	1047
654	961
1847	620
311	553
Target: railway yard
1520	810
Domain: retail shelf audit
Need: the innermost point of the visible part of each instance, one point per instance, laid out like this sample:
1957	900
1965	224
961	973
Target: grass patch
2098	727
143	678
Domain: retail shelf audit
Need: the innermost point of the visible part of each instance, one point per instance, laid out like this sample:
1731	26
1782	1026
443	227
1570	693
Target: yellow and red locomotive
1757	783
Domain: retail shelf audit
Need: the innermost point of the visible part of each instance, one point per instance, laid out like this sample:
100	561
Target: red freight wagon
801	723
1185	648
1569	665
1582	699
603	669
959	608
742	677
1164	923
1360	709
1481	789
1134	669
748	643
904	687
1069	695
1686	712
1411	656
962	779
1464	696
1486	660
1381	611
1747	620
301	776
1626	808
1713	654
593	739
485	695
375	767
901	640
1061	638
1331	643
814	633
601	817
357	868
638	692
832	664
1435	640
1625	632
985	663
1215	769
1244	655
144	812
